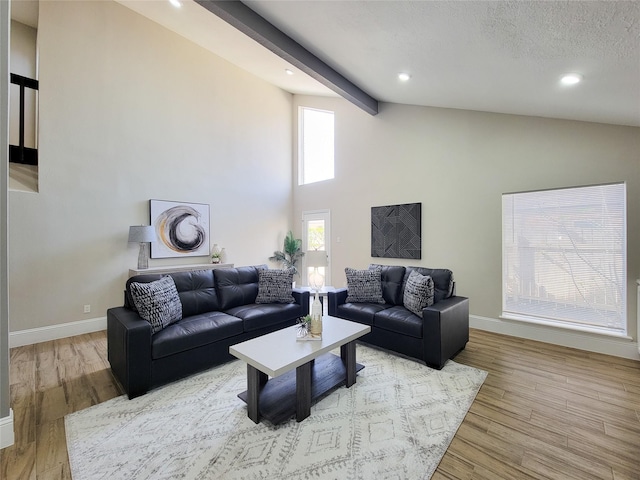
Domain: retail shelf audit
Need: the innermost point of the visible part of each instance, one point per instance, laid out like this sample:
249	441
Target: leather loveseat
219	309
434	337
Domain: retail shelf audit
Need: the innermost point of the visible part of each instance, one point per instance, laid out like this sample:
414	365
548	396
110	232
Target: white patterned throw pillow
157	302
274	286
418	292
364	285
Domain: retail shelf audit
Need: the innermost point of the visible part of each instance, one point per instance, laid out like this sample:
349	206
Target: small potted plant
216	254
304	326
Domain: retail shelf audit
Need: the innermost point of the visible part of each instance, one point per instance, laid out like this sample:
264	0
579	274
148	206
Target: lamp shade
142	234
316	258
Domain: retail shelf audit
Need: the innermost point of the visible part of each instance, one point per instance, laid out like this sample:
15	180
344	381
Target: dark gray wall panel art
396	231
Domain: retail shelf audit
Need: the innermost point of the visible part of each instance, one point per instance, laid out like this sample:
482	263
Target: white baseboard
54	332
566	338
6	431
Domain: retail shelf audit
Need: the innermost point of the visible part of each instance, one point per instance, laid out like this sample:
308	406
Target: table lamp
316	259
142	234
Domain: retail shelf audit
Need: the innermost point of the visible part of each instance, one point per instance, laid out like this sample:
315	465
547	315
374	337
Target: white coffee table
300	371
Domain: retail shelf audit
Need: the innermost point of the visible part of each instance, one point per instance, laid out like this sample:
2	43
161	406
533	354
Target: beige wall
130	112
458	163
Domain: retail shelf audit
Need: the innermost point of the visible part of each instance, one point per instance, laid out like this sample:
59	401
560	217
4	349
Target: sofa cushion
364	285
359	312
197	292
274	286
236	286
392	278
157	302
195	331
399	320
257	316
442	281
418	293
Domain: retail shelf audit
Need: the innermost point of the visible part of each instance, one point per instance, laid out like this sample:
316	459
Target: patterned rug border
395	422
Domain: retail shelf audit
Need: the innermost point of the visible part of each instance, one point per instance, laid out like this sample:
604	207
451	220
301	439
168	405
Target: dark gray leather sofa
439	335
218	310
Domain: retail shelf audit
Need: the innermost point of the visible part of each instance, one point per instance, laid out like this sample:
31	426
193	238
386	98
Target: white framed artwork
182	229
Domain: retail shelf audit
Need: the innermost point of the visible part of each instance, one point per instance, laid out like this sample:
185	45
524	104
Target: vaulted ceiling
494	56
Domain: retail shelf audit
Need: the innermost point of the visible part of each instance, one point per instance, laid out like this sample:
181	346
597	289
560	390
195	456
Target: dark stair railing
20	153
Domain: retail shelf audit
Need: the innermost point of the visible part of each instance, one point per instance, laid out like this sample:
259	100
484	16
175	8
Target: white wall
130	112
458	163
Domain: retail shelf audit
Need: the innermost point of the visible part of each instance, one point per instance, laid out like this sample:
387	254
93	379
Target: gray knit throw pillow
157	302
364	286
274	286
418	292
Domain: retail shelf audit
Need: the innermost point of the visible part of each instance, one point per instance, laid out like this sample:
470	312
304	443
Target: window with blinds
564	257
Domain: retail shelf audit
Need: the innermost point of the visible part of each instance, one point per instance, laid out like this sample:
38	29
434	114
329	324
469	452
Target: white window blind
316	145
564	257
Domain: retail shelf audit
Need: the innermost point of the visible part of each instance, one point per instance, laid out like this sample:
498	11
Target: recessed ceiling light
571	79
288	72
403	77
175	3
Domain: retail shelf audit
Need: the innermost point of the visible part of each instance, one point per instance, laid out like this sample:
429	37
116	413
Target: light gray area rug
396	422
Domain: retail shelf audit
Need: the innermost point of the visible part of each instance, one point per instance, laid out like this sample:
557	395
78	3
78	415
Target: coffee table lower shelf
277	398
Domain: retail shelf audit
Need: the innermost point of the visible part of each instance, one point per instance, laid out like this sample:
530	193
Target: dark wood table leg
303	391
348	355
255	381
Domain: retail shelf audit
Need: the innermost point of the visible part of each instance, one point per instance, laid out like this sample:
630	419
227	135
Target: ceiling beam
253	25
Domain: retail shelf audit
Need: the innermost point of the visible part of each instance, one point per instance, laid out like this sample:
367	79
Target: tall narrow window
315	145
564	257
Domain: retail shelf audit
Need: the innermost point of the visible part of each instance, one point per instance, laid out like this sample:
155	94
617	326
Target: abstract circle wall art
182	229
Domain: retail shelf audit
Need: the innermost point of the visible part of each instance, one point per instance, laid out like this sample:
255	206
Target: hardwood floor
49	380
544	412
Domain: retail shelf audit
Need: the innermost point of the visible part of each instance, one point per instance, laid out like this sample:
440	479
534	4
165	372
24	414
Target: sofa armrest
336	298
301	297
446	329
129	349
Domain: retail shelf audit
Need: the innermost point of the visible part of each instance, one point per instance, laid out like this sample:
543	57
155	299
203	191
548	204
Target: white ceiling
495	56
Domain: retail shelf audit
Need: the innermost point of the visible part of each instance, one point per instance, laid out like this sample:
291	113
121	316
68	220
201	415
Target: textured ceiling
481	55
495	56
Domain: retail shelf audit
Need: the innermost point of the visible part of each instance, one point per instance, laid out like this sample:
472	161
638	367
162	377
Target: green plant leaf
292	252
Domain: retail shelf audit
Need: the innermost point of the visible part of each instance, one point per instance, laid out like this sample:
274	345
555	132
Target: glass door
316	238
